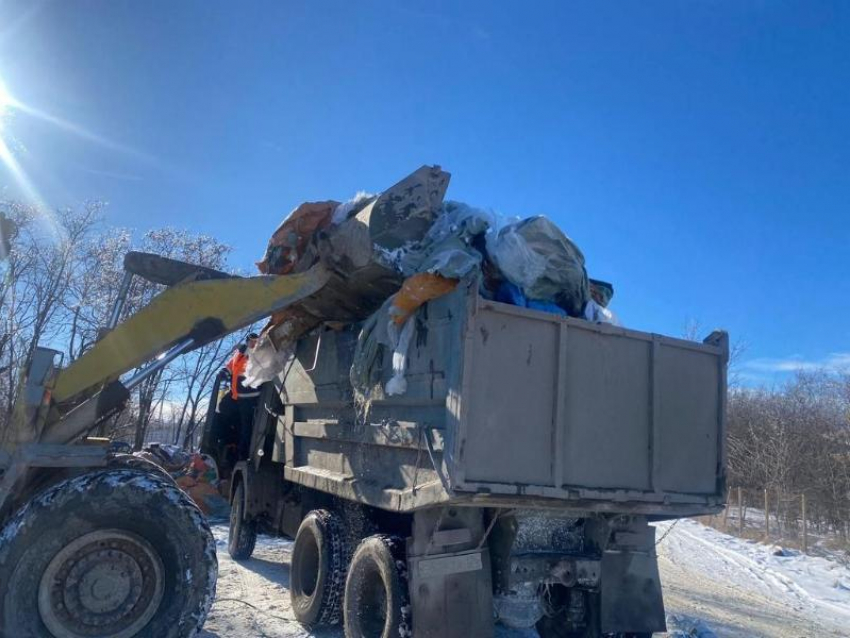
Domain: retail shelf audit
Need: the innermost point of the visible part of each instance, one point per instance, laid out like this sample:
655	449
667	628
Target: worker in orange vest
244	396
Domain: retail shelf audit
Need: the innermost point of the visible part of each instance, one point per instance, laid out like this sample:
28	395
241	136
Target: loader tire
242	537
317	573
376	596
113	553
132	462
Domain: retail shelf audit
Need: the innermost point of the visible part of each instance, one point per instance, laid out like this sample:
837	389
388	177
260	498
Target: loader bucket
166	271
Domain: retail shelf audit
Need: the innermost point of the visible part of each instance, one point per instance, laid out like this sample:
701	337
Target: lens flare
6	99
6	104
8	161
9	106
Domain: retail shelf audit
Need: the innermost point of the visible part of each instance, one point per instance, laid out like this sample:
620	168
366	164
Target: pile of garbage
391	253
196	474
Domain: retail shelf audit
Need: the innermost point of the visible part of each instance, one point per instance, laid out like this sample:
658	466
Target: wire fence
797	519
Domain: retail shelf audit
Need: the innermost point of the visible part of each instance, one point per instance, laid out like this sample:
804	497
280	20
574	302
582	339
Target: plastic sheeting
601	292
265	361
291	238
538	257
510	293
448	248
372	342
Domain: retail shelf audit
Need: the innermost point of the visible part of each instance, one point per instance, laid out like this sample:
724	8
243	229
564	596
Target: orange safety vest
237	364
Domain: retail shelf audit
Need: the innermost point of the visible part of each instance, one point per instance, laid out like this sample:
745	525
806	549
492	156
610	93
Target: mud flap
452	595
631	598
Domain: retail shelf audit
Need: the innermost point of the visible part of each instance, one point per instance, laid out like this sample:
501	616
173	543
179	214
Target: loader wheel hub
105	583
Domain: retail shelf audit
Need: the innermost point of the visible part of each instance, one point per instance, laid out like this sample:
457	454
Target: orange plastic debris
417	290
288	242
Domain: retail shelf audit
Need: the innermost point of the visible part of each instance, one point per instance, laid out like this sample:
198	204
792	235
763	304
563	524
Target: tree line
58	284
793	440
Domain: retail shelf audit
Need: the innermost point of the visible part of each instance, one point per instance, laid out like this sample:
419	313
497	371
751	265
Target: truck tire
317	572
243	533
114	553
376	597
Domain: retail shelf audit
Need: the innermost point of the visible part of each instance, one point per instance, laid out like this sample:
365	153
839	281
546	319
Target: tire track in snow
738	596
758	569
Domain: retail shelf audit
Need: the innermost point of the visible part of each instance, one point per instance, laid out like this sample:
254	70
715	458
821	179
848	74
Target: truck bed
513	407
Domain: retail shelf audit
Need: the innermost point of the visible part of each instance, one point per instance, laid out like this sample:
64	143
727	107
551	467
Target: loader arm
189	315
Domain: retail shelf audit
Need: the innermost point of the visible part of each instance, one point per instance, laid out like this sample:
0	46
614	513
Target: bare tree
39	273
795	439
693	330
58	284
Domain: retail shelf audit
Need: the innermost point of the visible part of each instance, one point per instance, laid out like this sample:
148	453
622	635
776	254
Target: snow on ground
738	588
715	586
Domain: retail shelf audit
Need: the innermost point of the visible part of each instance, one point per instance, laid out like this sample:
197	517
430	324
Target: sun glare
6	99
8	159
6	104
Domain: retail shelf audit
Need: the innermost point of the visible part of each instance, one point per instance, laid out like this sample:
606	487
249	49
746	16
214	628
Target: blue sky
697	151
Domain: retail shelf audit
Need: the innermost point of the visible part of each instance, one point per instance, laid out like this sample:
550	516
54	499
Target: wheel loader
96	544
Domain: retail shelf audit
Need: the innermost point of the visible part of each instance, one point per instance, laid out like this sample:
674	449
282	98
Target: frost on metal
538	532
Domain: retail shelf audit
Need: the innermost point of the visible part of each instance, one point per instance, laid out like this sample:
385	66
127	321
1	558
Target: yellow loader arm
180	319
202	311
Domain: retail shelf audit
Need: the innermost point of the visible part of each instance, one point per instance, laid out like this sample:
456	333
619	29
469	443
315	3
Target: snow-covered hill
715	586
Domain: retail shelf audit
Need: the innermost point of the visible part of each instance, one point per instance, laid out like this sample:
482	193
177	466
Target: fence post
740	513
766	516
805	524
726	510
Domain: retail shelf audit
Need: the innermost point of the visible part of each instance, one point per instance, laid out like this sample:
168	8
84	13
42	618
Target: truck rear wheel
376	597
317	573
242	536
116	553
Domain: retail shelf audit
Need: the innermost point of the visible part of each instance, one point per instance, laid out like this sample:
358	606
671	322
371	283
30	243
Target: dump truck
514	481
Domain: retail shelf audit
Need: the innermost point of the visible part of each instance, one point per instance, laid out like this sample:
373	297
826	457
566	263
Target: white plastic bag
265	361
400	341
599	314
